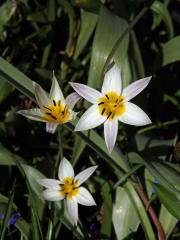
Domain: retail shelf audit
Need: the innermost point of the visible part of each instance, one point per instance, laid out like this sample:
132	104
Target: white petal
110	133
51	127
84	197
134	115
135	88
33	114
86	92
84	175
73	209
41	96
65	169
52	195
90	119
72	99
112	80
53	184
55	92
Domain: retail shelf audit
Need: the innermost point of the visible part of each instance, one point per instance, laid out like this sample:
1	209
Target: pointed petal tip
109	150
34	84
77	129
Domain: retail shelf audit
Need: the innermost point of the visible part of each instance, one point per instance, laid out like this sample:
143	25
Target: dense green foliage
79	39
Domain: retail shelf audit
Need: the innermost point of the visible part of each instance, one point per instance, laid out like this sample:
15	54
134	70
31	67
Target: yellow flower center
111	105
69	187
57	112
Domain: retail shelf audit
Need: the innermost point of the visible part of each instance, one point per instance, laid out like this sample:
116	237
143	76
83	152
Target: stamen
64	110
103	111
109	115
100	103
48	114
111	105
54	102
107	96
55	118
47	108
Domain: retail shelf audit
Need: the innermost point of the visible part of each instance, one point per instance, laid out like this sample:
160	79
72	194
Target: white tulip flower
111	105
69	187
53	109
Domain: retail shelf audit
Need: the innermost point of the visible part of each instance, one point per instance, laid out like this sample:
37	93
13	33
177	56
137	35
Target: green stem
157	126
60	152
128	29
127	175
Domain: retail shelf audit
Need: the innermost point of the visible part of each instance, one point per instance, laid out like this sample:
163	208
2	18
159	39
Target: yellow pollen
57	113
69	187
111	105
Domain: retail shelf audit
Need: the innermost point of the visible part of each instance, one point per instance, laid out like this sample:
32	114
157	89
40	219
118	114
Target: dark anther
103	111
115	105
47	108
54	102
53	117
100	103
109	115
107	96
64	110
49	114
116	100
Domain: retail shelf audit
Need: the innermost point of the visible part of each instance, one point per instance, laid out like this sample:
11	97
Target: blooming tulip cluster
109	106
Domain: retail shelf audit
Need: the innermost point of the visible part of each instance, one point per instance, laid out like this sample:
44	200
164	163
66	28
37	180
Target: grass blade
8	211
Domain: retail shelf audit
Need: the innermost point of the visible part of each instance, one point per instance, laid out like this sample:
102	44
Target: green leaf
107	212
21	224
8	212
16	78
78	148
88	23
169	199
89	5
136	54
148	176
153	147
124	221
109	29
141	211
6	158
168	173
160	9
167	220
6	11
171	51
5	89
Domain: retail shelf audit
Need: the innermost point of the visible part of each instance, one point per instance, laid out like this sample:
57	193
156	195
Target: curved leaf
160	9
125	218
171	51
110	28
